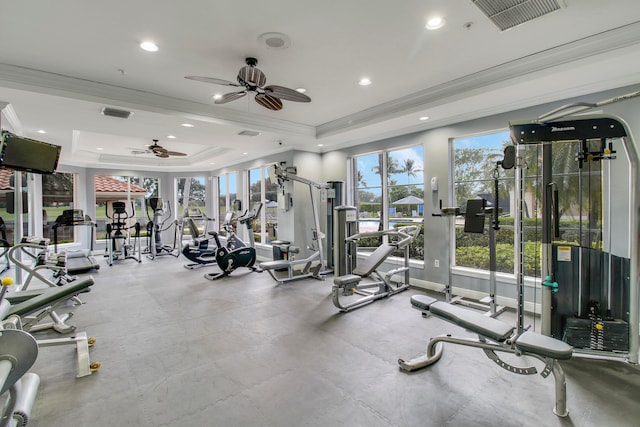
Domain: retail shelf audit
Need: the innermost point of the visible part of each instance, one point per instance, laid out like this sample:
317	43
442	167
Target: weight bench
494	335
33	306
43	302
382	286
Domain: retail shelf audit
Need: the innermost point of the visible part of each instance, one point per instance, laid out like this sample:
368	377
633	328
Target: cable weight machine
578	280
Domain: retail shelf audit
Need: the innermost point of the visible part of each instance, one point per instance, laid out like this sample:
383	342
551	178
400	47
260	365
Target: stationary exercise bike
201	251
236	253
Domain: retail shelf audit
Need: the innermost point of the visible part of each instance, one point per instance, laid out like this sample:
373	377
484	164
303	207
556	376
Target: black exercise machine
201	250
236	253
79	260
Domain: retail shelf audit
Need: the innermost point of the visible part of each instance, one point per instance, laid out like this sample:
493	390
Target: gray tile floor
179	350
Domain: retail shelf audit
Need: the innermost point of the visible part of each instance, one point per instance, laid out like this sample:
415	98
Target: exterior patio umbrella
409	200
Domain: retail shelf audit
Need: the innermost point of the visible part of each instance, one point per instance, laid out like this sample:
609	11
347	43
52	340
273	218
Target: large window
132	190
263	189
227	193
57	196
580	200
390	191
474	166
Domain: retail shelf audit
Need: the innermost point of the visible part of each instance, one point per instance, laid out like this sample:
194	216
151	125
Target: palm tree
409	168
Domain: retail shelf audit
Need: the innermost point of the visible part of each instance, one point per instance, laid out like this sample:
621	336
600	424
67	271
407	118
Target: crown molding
588	47
10	116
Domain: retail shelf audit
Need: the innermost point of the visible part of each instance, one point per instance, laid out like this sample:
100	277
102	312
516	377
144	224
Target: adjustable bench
494	335
43	302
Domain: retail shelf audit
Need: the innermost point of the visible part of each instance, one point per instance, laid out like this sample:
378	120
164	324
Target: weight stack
596	334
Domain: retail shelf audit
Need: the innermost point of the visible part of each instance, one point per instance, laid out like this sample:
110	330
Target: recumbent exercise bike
236	253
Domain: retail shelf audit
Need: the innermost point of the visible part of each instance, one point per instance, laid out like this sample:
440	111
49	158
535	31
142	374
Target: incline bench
43	302
494	335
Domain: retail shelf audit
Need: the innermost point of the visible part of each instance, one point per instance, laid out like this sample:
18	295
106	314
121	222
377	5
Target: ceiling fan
252	79
158	151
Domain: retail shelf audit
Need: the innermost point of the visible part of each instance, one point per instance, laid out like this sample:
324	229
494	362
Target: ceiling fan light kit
159	151
252	79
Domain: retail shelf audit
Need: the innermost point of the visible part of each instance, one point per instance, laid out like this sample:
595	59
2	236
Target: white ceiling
61	62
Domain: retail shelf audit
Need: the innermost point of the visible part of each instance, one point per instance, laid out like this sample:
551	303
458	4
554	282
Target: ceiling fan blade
228	97
175	153
162	155
212	80
286	93
269	101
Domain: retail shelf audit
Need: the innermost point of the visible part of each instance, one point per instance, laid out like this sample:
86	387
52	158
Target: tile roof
5	175
104	184
108	184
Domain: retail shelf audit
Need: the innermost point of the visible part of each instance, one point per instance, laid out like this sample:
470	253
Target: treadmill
78	260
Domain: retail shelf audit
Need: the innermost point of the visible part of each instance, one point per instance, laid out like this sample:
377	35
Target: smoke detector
275	40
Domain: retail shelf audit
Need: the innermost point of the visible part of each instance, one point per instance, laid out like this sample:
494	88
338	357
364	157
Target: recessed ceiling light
365	81
217	96
171	136
187	125
149	46
99	148
301	90
320	145
41	131
435	23
212	163
245	153
423	118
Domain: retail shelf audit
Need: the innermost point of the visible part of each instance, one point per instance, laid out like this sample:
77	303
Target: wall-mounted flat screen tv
26	154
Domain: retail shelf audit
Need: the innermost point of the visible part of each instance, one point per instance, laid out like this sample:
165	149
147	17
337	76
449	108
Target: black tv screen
29	155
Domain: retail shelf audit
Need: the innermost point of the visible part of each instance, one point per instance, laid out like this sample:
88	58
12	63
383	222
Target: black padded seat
530	342
473	321
51	295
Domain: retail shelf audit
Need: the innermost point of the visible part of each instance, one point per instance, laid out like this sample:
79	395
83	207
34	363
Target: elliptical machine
156	226
236	253
121	244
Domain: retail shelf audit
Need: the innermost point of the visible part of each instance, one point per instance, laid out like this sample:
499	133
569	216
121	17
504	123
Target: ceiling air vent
249	133
112	112
507	14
